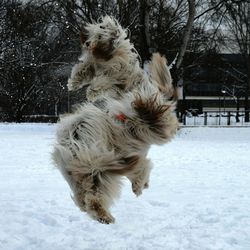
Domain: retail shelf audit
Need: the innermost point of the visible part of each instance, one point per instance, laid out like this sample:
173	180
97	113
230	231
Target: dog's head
104	38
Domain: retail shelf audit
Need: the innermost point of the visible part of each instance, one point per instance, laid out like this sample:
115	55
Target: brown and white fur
109	62
98	144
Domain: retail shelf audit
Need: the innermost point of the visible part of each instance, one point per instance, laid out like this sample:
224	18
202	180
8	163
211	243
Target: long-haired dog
109	62
98	144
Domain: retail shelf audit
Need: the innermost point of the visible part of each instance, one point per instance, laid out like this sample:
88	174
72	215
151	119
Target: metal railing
214	118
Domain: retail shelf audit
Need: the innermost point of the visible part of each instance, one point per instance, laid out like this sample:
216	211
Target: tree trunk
177	71
247	90
238	109
145	35
187	33
247	102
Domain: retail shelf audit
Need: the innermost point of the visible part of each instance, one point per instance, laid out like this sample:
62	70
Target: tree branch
187	32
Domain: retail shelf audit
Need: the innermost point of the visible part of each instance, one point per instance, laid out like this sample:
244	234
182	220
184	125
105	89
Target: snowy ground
199	196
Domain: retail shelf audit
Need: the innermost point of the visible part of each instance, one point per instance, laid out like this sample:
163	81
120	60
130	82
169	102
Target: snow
198	196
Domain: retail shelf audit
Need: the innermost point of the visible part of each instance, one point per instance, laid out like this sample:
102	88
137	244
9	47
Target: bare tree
232	33
238	22
44	37
186	33
144	24
177	70
29	52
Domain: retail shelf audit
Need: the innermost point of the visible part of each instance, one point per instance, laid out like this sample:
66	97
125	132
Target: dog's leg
95	201
81	75
76	183
96	210
139	177
88	198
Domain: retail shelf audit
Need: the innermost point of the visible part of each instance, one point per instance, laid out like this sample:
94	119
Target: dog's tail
160	75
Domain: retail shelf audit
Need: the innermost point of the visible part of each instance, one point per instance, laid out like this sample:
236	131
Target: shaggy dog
101	142
109	62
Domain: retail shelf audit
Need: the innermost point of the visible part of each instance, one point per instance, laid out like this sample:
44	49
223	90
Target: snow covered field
199	196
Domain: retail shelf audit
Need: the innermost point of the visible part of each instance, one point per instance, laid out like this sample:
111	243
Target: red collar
121	117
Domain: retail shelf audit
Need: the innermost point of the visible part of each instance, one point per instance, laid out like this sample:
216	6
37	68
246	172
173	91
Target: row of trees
39	42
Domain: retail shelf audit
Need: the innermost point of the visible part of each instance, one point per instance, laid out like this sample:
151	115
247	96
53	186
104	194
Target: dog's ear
83	35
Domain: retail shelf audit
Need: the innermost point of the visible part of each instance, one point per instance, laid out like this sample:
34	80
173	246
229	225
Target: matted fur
160	74
95	148
109	63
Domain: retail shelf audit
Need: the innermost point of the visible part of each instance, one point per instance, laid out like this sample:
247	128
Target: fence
190	118
215	118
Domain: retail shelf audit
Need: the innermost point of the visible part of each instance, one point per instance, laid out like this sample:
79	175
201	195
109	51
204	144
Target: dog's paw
146	185
72	85
138	187
107	219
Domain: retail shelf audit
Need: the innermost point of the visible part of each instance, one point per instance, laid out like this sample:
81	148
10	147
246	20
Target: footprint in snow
73	218
208	218
48	220
44	219
158	204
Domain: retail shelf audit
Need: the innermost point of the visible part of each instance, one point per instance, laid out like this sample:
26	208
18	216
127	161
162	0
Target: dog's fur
109	62
95	147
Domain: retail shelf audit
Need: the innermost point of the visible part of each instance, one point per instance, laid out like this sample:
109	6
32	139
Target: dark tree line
40	43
